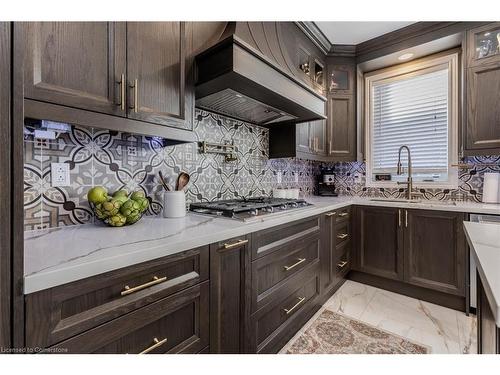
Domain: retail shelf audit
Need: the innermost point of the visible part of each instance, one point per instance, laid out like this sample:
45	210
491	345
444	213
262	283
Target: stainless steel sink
396	200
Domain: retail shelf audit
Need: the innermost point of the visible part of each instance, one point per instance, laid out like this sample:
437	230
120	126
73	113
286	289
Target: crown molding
316	36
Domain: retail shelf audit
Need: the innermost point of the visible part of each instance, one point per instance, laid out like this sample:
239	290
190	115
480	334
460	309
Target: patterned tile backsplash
120	160
351	177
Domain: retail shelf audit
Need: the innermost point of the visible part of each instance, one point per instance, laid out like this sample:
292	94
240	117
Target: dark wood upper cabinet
483	90
341	109
341	127
435	250
379	236
75	64
159	76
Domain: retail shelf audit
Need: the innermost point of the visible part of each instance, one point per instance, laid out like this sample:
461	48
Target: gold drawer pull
330	214
135	87
236	244
156	280
288	311
157	343
342	236
342	264
121	82
342	214
300	260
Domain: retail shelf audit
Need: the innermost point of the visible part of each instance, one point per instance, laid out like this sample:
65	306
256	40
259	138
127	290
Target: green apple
122	192
136	195
117	220
97	195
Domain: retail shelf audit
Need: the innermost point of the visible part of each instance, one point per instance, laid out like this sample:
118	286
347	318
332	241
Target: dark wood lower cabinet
229	262
420	253
379	241
176	324
488	333
435	250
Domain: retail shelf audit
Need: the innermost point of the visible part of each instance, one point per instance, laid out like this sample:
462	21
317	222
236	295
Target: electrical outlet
59	173
278	176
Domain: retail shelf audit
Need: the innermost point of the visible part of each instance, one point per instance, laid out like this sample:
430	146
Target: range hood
237	81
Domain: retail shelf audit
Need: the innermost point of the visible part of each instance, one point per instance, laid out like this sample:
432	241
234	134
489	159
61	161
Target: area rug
334	333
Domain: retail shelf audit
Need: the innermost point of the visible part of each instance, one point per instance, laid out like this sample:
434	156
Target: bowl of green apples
117	209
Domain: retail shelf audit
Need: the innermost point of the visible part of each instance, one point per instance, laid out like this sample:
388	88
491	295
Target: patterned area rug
333	333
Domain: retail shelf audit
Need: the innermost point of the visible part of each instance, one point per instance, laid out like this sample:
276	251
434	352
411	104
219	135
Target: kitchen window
413	104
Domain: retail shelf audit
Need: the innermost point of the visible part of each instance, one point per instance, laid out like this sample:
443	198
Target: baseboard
438	298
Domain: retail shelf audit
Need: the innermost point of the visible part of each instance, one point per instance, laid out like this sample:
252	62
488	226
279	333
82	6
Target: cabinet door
303	138
341	127
159	73
483	44
483	111
76	64
228	262
379	248
435	255
328	258
488	334
318	135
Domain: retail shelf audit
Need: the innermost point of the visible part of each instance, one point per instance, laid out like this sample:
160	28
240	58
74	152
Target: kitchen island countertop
484	241
58	256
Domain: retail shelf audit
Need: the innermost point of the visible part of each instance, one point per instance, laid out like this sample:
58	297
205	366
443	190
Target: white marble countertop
484	240
57	256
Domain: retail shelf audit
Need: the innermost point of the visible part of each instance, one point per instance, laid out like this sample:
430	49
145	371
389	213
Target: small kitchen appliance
326	182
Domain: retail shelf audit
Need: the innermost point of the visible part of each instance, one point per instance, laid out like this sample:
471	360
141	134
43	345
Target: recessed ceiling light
405	56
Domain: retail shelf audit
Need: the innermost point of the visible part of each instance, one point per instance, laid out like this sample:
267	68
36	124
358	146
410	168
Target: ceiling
357	32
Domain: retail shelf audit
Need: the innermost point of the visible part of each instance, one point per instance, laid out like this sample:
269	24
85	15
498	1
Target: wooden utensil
182	181
164	182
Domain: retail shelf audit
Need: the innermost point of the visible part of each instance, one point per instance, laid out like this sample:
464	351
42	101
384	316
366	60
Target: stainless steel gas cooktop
250	208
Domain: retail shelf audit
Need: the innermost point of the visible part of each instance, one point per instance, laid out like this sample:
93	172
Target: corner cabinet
482	135
421	253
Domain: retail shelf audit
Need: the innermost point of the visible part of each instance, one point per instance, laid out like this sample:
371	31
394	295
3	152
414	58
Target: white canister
491	187
174	204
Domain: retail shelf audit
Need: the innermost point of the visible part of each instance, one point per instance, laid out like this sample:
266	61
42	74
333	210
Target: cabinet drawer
175	324
344	214
342	232
58	313
276	323
343	264
269	240
271	271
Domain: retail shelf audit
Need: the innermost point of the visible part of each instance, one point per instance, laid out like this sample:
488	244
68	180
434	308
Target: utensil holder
174	204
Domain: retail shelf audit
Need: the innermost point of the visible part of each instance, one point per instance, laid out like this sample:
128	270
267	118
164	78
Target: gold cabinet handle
135	87
235	244
300	260
310	144
399	218
342	264
121	82
156	344
330	214
406	218
156	280
342	236
342	214
329	147
290	310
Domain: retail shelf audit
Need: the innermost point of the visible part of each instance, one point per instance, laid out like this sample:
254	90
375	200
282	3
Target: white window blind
412	111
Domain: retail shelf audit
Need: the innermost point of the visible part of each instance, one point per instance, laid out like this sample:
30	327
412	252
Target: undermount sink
396	200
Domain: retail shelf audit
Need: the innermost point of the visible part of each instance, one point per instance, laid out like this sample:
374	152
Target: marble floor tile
351	299
467	331
444	330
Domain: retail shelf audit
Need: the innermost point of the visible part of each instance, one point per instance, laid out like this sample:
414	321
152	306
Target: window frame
411	69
